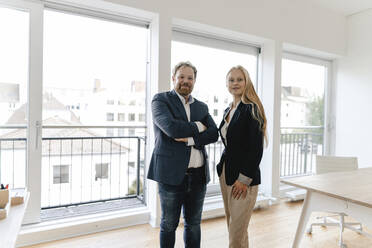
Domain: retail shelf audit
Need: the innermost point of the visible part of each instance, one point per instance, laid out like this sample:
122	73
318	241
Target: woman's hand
239	190
181	140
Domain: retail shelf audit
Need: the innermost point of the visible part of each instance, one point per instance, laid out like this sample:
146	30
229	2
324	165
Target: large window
14	54
94	71
213	57
304	81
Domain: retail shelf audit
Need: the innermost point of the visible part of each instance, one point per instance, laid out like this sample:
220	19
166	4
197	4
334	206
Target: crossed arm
193	133
210	135
172	127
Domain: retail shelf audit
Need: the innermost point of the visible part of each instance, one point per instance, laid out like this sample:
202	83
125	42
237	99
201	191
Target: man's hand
239	189
181	139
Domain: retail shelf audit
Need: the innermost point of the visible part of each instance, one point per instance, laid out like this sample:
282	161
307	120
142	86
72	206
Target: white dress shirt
226	125
196	156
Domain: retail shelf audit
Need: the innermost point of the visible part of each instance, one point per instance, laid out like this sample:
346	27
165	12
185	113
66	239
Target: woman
243	130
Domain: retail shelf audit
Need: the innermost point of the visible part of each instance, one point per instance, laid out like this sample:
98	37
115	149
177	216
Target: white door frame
34	106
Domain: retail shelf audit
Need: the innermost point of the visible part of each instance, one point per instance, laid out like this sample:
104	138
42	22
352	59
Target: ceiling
344	7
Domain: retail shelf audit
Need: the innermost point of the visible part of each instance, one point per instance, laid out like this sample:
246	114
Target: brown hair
186	64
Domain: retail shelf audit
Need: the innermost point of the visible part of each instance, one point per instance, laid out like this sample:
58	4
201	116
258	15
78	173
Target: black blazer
244	148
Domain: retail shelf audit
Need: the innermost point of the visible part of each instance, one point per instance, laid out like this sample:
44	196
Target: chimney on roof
97	85
137	86
9	92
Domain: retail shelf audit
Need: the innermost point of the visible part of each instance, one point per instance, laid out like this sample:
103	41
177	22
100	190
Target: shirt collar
230	105
183	100
229	109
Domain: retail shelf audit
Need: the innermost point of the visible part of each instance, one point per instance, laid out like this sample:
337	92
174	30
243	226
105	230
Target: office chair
327	164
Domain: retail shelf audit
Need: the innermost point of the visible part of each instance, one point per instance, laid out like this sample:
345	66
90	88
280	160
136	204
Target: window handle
38	132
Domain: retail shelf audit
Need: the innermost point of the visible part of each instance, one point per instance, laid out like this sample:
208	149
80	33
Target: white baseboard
66	228
296	195
77	226
291	193
213	207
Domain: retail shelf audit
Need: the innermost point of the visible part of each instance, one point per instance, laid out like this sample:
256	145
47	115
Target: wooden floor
273	227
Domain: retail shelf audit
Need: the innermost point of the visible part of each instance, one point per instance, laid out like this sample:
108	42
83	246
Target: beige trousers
238	213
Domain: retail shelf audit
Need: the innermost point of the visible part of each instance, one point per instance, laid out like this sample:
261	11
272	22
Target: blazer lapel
193	111
223	118
177	102
233	119
221	125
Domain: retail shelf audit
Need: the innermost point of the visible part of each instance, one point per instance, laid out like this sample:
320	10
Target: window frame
327	125
121	117
214	41
94	8
130	115
99	170
142	117
61	166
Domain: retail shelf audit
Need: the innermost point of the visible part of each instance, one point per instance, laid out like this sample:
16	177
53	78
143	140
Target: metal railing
13	147
214	152
79	166
13	161
298	149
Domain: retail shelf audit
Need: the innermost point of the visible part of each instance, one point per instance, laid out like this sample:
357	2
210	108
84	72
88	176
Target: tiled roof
53	146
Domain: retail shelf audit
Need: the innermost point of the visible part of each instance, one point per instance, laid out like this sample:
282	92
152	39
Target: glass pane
94	75
210	87
302	116
14	42
212	65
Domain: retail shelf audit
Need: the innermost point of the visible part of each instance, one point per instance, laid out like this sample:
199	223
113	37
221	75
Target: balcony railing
82	166
298	149
79	164
13	161
13	156
214	152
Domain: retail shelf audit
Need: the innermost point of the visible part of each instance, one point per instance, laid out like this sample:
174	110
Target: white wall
289	21
354	92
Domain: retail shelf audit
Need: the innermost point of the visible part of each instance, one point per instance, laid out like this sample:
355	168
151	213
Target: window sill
75	226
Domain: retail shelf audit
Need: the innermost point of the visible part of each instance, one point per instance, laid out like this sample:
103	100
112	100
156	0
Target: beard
184	90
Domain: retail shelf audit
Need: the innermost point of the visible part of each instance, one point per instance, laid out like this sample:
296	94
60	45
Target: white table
10	226
348	192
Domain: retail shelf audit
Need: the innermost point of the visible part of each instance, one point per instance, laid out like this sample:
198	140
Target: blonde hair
250	97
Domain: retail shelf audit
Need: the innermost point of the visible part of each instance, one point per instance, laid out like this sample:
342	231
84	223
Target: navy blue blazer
244	148
170	159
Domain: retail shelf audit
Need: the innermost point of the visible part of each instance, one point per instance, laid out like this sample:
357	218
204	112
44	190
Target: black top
245	146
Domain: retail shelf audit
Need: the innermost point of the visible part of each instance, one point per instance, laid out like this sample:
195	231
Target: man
179	162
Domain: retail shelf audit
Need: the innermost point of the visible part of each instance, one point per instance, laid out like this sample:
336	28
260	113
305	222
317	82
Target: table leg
305	214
